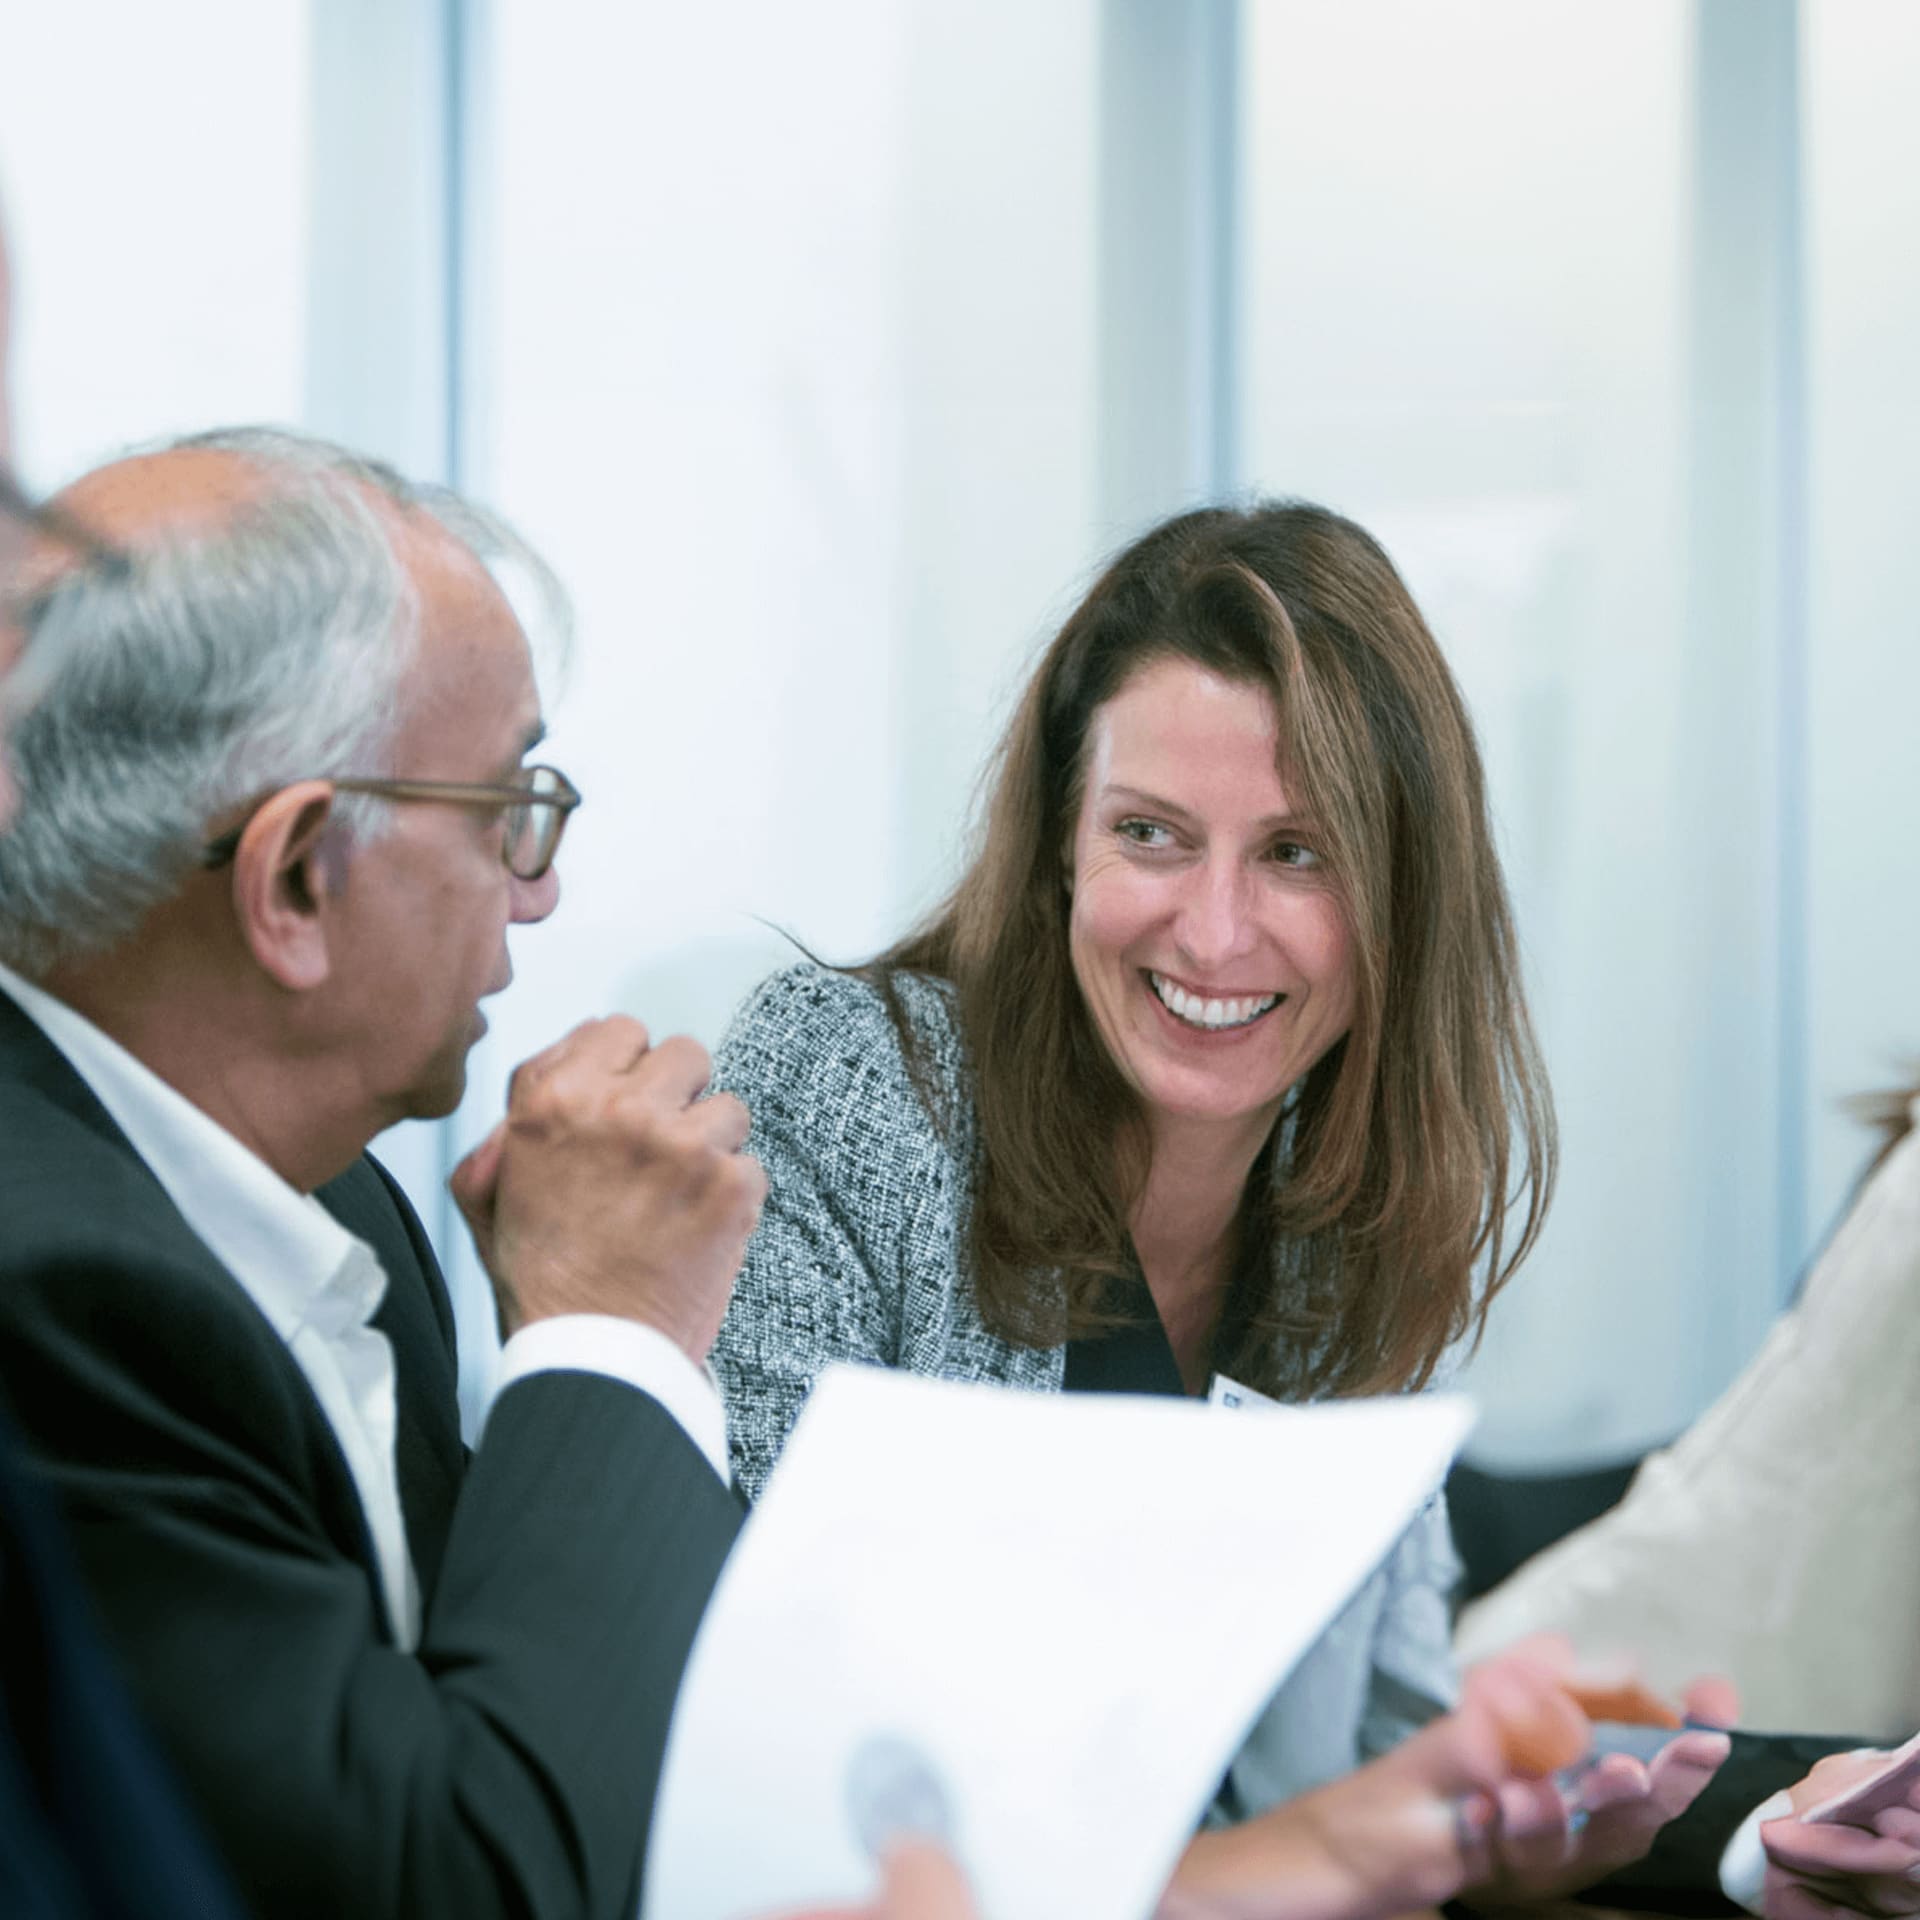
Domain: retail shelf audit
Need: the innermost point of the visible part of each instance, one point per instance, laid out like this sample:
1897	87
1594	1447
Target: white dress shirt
1743	1866
319	1286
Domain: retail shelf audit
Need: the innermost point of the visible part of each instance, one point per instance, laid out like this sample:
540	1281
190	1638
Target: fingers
1536	1830
1786	1899
1683	1767
1548	1840
611	1045
1614	1780
1835	1774
1524	1690
612	1059
1712	1700
476	1179
1463	1752
918	1881
675	1072
923	1882
614	1186
723	1120
1833	1851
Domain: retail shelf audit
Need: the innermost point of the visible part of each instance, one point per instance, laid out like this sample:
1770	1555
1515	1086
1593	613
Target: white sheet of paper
1063	1610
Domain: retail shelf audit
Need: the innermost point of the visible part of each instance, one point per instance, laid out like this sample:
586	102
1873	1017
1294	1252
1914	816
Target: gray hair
215	666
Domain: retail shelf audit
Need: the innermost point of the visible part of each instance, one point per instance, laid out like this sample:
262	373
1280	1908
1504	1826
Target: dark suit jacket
508	1765
91	1826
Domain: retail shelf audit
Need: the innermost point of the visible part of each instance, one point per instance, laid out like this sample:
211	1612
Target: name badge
1223	1392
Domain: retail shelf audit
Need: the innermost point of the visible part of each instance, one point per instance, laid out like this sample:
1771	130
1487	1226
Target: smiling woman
1215	1060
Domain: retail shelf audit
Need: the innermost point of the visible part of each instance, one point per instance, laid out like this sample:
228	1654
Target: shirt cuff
618	1349
1743	1867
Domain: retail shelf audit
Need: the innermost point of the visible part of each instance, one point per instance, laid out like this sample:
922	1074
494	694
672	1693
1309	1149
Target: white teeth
1214	1015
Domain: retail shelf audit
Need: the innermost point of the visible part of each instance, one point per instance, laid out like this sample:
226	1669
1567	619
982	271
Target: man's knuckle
626	1029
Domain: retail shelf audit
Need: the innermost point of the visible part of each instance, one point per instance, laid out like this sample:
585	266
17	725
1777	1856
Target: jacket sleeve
857	1250
1412	1678
505	1768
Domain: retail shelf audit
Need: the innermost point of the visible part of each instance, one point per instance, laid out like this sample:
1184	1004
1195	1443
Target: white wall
1863	923
1602	318
784	332
1468	326
154	162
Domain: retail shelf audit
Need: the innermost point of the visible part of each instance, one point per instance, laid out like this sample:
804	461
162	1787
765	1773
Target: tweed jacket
861	1254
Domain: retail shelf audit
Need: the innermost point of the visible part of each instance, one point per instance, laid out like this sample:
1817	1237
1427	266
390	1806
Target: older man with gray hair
274	821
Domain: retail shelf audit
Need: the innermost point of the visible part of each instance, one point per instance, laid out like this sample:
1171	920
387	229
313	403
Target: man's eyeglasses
535	811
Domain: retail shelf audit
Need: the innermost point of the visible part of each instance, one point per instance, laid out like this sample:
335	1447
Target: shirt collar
300	1265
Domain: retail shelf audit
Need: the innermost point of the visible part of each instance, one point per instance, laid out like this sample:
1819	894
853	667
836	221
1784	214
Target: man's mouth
1206	1015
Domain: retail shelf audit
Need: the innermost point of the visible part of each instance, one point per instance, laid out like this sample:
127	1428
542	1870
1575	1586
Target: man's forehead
440	562
150	496
475	668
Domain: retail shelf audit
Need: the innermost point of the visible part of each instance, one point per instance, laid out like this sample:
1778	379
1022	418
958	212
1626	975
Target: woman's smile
1218	1011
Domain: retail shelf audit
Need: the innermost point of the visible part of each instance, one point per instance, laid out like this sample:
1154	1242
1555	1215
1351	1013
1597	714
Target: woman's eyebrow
1286	822
1139	797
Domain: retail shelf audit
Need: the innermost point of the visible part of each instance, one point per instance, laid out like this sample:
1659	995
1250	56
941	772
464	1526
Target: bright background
826	349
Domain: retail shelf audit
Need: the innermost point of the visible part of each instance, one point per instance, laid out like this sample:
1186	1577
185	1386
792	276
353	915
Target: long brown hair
1376	1225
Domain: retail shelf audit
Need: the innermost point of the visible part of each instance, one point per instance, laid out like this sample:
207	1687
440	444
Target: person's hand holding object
1555	1834
919	1880
612	1187
1405	1831
1815	1870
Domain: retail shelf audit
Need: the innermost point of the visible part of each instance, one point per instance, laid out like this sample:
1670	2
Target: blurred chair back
1778	1540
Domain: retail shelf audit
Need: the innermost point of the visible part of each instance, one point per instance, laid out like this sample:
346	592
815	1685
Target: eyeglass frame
457	793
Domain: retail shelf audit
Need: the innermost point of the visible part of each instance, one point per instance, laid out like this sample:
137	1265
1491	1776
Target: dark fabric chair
1501	1519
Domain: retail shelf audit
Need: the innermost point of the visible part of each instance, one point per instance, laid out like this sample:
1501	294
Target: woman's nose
1215	921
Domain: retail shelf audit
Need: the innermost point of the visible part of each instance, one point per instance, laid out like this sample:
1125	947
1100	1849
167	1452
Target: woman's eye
1294	853
1145	833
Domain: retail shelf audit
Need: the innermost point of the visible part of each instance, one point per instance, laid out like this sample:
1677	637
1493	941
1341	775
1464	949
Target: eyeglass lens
533	830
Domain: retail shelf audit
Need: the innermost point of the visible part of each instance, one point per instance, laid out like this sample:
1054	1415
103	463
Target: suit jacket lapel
429	1456
29	1059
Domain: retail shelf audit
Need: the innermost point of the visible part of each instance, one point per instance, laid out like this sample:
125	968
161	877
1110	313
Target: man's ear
284	882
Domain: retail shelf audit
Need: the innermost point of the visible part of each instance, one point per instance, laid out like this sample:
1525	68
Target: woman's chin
1195	1100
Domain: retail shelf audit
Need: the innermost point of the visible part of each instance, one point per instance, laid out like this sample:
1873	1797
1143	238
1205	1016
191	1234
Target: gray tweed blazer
861	1254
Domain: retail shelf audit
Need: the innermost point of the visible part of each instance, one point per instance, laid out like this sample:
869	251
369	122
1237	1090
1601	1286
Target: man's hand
1817	1871
612	1187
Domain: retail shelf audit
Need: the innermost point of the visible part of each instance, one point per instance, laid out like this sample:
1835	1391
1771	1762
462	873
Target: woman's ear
283	882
